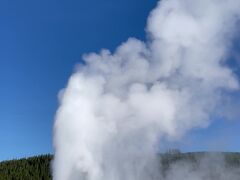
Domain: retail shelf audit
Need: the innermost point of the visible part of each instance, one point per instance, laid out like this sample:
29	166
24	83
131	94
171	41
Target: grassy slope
38	167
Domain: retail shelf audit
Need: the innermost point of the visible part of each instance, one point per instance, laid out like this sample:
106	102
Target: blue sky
40	42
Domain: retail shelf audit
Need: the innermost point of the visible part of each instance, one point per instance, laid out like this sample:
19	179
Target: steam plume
118	106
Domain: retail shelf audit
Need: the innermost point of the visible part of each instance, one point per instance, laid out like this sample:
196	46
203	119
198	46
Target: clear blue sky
40	42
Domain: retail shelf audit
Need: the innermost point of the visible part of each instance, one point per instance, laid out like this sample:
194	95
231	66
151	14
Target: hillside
207	166
33	168
38	167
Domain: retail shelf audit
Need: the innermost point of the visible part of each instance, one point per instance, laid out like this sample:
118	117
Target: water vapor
118	106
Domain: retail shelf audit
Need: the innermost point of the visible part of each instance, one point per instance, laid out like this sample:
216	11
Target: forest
33	168
39	167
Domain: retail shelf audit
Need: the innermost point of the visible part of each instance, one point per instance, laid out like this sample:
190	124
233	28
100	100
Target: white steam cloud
118	106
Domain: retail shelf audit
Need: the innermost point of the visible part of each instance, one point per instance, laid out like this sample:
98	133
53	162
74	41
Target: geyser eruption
118	106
